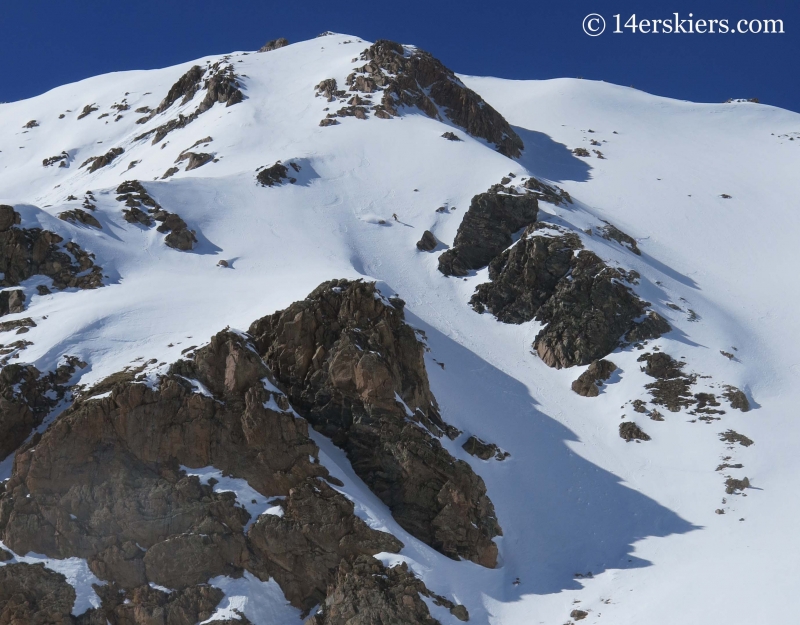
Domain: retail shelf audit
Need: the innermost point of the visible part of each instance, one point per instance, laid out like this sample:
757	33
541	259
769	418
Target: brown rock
428	242
317	531
346	358
597	373
630	432
32	594
12	302
274	44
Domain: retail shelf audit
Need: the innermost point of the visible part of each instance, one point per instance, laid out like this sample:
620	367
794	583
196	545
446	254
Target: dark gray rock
428	242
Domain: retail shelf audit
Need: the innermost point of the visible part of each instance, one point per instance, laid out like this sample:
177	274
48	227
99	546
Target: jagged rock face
587	315
104	477
486	230
414	78
588	306
588	382
26	252
12	302
318	530
26	397
96	162
525	276
33	595
274	44
355	370
149	606
221	86
365	592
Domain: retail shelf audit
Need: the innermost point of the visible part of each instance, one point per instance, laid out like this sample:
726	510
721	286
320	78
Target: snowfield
624	531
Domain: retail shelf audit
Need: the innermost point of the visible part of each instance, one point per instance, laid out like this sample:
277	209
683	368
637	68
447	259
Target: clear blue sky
48	43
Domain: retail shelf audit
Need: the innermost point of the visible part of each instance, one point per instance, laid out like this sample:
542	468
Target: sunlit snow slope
637	522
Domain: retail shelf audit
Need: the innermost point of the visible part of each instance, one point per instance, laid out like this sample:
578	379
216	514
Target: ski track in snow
636	521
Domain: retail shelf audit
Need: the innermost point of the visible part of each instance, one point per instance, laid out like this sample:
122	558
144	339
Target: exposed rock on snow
354	369
12	301
26	252
428	242
96	162
486	230
409	77
483	450
589	381
80	216
612	233
196	159
548	193
276	174
632	432
274	44
62	160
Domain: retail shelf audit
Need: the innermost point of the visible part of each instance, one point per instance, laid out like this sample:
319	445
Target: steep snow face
621	530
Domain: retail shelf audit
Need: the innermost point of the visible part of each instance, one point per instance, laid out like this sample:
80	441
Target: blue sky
48	43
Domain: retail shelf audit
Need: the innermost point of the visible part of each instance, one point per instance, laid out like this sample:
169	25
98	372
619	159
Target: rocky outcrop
103	482
276	174
525	276
62	160
589	307
409	77
428	242
483	450
195	159
612	233
629	431
32	594
221	86
737	398
274	44
87	110
589	382
672	388
96	162
365	592
547	193
135	196
12	301
317	531
145	605
80	216
486	230
351	366
26	252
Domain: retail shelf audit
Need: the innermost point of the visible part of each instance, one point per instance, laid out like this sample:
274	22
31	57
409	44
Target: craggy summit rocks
351	365
413	78
486	229
274	44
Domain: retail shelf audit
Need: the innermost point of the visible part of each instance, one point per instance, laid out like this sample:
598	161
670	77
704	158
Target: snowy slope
573	497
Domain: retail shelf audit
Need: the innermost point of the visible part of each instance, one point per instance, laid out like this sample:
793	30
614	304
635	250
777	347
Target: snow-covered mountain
163	235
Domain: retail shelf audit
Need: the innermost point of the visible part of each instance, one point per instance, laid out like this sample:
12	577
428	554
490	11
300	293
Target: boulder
428	242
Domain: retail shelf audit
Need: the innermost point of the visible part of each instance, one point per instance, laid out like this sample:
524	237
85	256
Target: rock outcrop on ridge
351	365
413	78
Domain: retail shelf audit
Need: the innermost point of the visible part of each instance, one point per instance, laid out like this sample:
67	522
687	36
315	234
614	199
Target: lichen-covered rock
588	382
354	369
486	230
737	398
33	595
413	78
672	388
274	44
303	547
428	242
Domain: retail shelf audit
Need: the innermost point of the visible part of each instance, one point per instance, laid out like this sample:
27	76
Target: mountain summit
328	333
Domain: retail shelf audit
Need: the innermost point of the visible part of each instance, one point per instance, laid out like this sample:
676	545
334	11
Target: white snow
261	602
573	497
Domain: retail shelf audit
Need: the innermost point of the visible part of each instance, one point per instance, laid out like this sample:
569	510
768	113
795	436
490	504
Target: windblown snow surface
627	532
